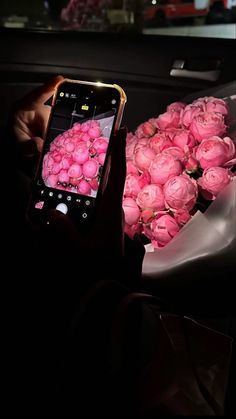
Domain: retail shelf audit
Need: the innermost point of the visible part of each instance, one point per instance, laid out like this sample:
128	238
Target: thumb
42	93
112	198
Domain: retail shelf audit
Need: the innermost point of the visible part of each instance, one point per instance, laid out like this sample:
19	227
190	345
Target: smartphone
75	157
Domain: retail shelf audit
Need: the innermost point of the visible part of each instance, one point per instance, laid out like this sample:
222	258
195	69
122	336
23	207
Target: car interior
154	70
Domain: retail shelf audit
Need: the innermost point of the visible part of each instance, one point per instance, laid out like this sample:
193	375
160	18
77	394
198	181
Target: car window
204	18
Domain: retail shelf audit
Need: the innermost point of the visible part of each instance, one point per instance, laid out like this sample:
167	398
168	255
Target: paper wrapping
209	238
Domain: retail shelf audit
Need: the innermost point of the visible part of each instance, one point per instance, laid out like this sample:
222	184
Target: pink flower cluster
173	161
77	13
75	157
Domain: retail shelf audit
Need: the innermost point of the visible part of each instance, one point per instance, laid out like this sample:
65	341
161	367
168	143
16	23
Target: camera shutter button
62	208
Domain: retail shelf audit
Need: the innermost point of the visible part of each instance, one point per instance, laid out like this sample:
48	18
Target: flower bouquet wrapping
180	190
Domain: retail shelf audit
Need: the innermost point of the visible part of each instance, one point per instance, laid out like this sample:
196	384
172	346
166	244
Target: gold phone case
117	122
123	97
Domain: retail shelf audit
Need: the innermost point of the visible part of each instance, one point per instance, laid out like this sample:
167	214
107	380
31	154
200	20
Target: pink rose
151	196
94	123
48	161
175	152
74	181
131	168
90	168
58	141
45	173
53	147
56	168
85	126
159	142
77	127
189	113
131	211
213	180
200	103
51	181
69	147
130	148
94	132
81	153
143	158
182	216
180	193
184	138
86	138
132	187
144	179
84	188
147	129
75	170
56	156
163	229
133	229
163	168
141	143
215	151
66	161
207	125
134	183
100	145
168	120
170	132
214	104
63	176
176	106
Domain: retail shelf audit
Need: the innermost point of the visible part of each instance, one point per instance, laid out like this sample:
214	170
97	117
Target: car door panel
141	64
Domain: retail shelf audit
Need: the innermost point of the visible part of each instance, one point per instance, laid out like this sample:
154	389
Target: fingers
109	217
39	143
31	115
42	93
112	199
22	121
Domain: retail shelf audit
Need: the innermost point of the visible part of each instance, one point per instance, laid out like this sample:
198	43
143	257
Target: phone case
123	97
92	199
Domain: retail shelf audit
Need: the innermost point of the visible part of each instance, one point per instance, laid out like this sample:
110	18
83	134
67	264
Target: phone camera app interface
78	138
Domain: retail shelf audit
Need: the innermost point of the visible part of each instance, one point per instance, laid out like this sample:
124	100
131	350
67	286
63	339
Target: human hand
30	117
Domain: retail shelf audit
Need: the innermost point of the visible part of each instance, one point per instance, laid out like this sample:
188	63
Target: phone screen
75	150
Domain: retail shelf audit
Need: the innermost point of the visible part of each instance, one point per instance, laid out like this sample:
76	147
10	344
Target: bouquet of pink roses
177	163
75	158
